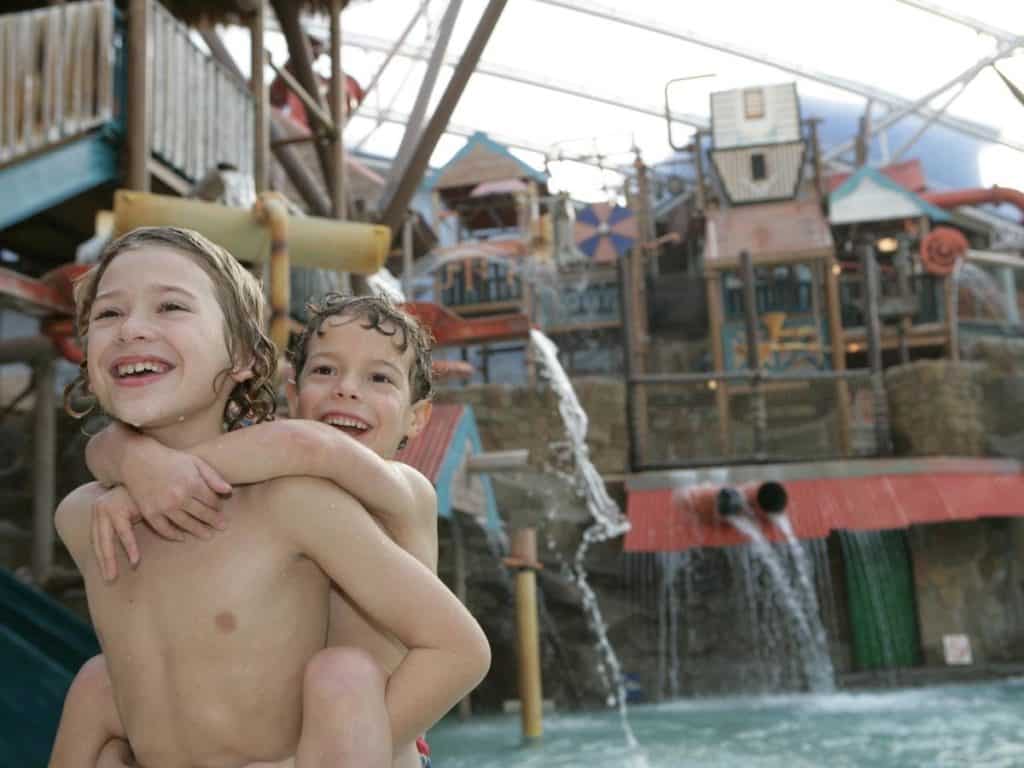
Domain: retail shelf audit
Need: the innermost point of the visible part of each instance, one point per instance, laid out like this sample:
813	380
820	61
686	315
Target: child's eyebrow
388	364
159	288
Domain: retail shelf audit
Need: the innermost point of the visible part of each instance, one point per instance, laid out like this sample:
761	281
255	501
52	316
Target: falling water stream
813	644
609	521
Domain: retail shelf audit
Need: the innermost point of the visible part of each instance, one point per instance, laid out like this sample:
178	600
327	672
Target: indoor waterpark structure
729	425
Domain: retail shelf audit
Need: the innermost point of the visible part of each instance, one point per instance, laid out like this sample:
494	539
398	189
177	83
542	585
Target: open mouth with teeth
139	371
347	424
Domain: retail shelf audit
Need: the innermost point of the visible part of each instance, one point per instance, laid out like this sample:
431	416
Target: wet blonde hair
241	301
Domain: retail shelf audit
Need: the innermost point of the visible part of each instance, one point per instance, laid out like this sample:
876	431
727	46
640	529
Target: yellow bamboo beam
524	559
270	210
346	246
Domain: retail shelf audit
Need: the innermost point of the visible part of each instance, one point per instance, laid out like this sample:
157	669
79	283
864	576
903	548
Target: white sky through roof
882	43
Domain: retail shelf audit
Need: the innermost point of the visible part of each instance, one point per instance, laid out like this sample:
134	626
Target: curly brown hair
380	314
240	298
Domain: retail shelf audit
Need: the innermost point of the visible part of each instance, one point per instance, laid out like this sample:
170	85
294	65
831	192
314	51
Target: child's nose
347	386
135	327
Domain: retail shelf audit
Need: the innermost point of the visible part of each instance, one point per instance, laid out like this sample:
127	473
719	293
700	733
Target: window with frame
753	103
758	166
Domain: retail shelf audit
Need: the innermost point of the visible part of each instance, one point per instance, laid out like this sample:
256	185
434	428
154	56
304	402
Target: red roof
661	523
908	175
449	329
427	450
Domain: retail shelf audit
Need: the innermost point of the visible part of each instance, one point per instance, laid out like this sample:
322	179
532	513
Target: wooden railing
56	75
201	115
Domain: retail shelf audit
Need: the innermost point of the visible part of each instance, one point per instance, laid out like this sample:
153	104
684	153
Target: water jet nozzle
771	498
730	502
713	504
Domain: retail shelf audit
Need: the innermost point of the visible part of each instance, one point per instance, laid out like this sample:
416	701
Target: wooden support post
523	557
635	317
337	178
407	255
698	166
337	101
873	326
301	57
138	96
459	588
261	102
44	470
759	418
835	333
716	321
819	177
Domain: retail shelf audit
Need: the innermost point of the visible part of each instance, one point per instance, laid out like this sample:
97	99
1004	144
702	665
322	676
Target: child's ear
420	416
242	373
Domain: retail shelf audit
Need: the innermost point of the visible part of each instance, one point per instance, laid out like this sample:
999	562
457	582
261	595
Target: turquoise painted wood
42	645
40	182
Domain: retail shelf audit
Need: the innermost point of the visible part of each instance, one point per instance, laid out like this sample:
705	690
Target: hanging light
887	245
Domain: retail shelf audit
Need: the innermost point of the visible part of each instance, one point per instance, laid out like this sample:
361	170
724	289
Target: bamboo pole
523	557
270	211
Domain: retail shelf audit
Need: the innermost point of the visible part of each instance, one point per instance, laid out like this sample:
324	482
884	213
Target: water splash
671	563
808	592
816	661
609	521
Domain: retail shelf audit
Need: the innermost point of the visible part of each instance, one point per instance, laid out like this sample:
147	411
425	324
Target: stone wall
528	417
968	579
935	408
975	408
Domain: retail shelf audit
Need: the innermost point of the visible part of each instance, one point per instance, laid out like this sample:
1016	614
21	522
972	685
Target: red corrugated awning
427	450
817	506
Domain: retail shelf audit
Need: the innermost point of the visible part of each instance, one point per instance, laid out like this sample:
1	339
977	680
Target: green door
880	588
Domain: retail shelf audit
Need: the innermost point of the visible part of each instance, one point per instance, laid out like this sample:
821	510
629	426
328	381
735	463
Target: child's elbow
479	655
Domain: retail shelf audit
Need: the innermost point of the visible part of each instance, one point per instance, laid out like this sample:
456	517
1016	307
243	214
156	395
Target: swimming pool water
956	725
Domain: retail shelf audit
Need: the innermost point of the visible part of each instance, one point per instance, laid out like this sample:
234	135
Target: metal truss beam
978	130
976	24
401	118
963	78
371	43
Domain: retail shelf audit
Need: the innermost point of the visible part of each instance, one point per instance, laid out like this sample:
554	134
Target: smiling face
156	349
357	379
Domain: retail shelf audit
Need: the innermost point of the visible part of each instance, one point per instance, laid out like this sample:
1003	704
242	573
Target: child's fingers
202	512
97	550
189	524
162	526
200	490
126	534
214	481
108	557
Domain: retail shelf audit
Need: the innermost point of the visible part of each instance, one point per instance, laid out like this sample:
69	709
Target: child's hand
176	493
113	514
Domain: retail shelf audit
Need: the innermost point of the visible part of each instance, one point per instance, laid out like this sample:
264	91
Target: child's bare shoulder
73	517
286	496
421	488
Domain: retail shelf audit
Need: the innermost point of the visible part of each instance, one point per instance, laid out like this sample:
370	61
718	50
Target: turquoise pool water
966	726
